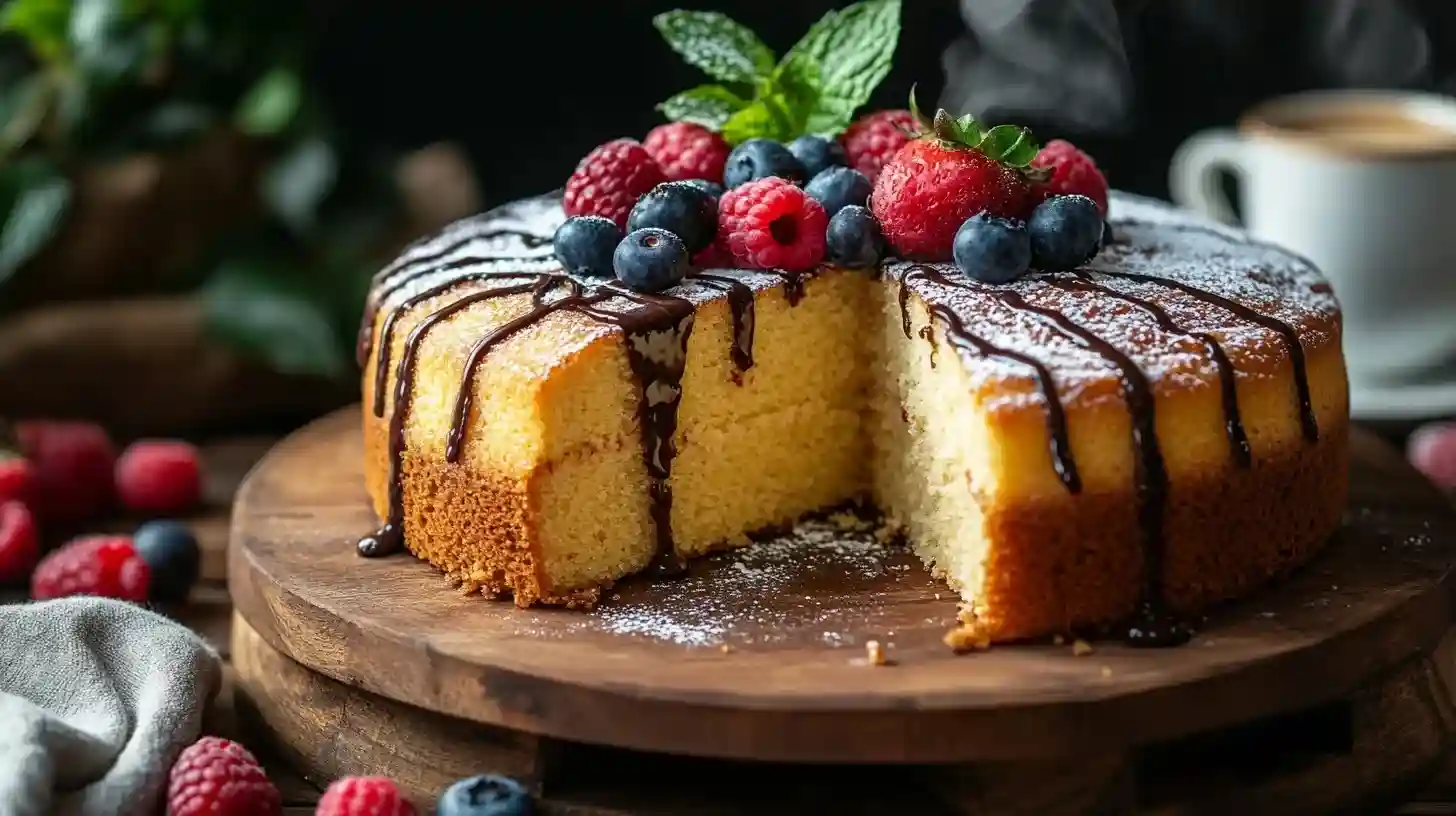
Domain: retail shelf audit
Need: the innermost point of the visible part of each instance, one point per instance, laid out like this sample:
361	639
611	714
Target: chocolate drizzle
1233	423
962	338
740	303
793	284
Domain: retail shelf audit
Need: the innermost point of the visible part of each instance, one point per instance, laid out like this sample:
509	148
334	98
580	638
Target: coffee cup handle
1196	169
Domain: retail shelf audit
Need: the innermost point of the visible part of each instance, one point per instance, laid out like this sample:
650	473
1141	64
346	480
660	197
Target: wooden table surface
209	612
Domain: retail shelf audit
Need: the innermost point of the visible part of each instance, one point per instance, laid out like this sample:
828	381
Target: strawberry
957	170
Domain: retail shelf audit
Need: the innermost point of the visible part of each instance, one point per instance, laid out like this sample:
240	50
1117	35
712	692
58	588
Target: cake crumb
874	653
725	648
937	596
848	522
1058	640
1106	671
1081	648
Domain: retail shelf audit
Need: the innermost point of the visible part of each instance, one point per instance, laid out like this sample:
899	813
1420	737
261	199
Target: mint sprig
815	89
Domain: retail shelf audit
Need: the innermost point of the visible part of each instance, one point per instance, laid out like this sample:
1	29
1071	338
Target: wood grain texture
1379	598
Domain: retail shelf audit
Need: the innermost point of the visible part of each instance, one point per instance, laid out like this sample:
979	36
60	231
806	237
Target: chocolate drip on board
957	333
1238	438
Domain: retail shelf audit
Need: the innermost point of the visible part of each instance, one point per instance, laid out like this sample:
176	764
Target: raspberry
218	777
107	566
686	151
19	542
1073	173
159	476
929	189
772	224
873	139
610	180
364	796
1432	451
73	462
17	479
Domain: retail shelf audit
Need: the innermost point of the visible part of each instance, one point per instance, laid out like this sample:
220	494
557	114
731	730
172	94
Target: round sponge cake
1159	430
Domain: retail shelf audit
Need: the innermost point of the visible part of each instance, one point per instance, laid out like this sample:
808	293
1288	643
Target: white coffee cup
1363	183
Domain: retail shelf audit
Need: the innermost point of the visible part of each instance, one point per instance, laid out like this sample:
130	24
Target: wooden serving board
760	655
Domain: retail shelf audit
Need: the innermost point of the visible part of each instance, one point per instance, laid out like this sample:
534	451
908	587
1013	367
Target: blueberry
1065	232
712	188
650	260
585	244
485	795
839	187
683	209
760	158
854	238
1107	236
818	154
170	549
991	249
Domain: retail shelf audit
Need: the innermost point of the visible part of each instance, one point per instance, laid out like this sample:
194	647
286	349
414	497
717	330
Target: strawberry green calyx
1011	145
816	87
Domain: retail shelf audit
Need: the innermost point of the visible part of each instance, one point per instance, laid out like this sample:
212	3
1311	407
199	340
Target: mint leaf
830	116
760	120
258	312
706	105
42	195
271	105
41	22
1011	145
716	45
853	48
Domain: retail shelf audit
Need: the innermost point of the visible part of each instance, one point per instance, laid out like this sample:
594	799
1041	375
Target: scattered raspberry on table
105	566
159	476
218	777
73	468
19	541
364	796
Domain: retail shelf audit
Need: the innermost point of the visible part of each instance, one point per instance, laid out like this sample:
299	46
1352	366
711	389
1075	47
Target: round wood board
759	654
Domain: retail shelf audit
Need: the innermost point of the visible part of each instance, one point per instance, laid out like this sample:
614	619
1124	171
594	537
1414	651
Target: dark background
530	87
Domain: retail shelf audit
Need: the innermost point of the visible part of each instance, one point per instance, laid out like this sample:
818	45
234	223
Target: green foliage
87	80
816	88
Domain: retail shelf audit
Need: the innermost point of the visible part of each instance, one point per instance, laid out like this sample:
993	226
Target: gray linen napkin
97	697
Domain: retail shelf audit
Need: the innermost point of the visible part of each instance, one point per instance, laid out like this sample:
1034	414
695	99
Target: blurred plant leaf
38	196
41	22
179	12
266	316
178	121
298	181
23	106
272	104
108	45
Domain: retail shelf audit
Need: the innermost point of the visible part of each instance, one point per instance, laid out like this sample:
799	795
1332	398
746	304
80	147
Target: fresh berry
105	566
687	151
650	260
1065	232
682	209
170	550
73	468
1108	236
929	189
853	239
1432	451
218	777
991	249
486	795
363	796
772	224
712	188
716	256
760	159
19	541
17	478
818	154
610	180
159	476
839	187
1073	173
584	244
874	138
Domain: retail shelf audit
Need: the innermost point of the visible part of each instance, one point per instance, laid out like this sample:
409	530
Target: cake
1156	431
